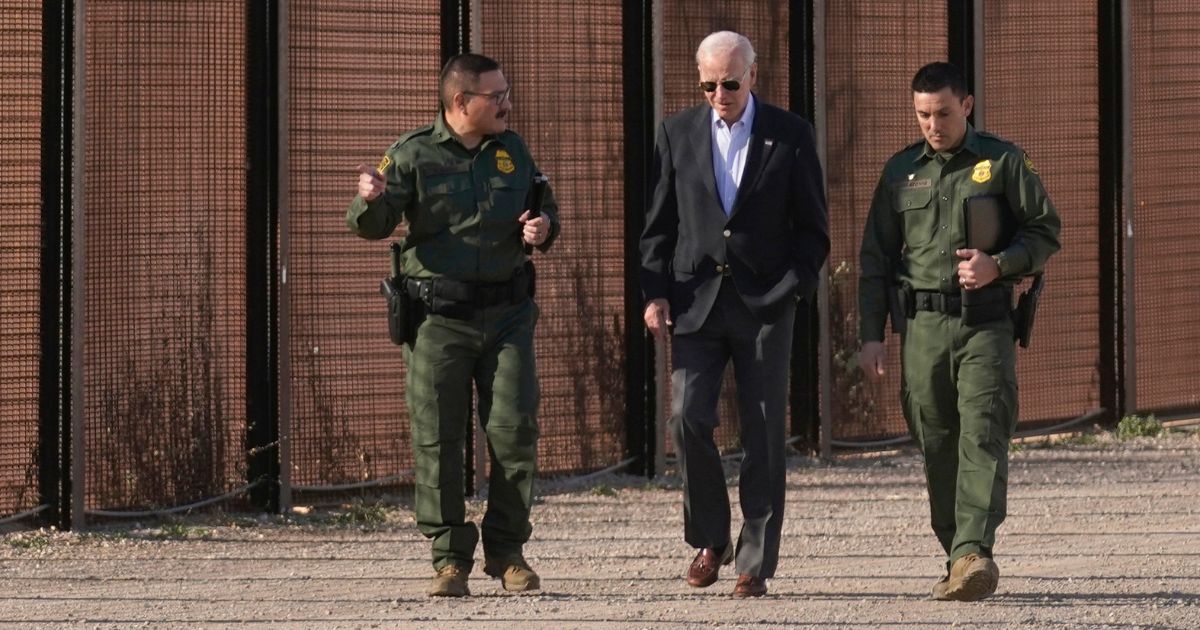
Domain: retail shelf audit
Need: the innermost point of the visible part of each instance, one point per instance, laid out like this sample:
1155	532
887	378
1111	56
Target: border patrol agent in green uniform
959	389
461	184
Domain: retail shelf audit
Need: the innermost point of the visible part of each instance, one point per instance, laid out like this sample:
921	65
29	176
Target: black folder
990	223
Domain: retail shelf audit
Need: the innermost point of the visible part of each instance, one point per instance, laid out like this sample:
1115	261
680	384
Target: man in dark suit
735	233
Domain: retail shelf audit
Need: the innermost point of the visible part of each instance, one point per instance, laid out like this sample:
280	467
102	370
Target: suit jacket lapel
760	151
704	153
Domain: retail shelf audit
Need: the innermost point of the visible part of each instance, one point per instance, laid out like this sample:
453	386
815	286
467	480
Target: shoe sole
449	594
521	588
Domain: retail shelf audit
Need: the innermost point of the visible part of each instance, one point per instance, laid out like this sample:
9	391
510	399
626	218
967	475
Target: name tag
911	184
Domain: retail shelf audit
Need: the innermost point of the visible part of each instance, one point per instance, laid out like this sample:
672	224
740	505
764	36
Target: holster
403	312
1026	310
901	306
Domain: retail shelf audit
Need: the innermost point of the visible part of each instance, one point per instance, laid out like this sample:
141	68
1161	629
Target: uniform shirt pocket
509	196
918	214
446	199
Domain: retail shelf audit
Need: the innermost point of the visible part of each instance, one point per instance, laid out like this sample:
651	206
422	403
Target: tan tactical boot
450	581
940	588
972	578
513	572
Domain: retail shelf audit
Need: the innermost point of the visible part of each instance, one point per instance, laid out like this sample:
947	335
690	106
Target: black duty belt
476	294
938	302
951	303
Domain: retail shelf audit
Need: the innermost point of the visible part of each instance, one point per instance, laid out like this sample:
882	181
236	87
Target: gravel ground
1101	534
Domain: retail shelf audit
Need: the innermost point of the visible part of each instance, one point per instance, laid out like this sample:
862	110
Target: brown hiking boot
513	572
450	581
972	578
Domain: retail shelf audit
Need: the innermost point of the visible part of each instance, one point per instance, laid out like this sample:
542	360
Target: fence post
639	104
804	399
1117	384
54	378
262	290
964	19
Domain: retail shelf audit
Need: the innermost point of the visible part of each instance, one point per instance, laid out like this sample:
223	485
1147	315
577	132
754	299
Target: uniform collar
970	143
442	133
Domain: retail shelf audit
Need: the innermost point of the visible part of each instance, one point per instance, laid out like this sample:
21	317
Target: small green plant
181	531
1135	426
362	515
603	490
39	539
1084	439
1015	447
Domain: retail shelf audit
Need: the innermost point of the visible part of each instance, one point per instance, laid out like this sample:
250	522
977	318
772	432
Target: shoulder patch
1028	163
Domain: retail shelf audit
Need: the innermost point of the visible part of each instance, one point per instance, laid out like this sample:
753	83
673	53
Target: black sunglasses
730	85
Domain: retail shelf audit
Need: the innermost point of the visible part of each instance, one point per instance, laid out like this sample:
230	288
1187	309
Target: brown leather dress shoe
750	586
705	566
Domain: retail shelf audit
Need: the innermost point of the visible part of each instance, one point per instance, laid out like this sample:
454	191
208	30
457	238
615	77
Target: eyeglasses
497	97
730	85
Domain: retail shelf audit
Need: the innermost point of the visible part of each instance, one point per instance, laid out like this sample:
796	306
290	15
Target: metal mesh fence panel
564	62
1166	205
1025	101
20	235
360	74
684	24
872	50
164	166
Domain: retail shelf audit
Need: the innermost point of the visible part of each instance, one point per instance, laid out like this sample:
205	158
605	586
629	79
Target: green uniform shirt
916	220
461	205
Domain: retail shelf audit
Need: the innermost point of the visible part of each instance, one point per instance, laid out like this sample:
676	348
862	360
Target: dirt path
1103	535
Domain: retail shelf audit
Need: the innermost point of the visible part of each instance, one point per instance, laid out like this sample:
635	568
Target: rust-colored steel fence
186	316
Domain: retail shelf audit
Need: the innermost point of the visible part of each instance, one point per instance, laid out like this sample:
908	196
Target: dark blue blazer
773	243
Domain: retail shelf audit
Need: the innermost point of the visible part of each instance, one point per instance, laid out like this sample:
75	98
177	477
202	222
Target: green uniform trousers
959	396
493	349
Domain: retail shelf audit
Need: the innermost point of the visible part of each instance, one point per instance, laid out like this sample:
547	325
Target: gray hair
722	42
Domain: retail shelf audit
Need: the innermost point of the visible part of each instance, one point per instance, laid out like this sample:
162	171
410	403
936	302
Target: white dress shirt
731	145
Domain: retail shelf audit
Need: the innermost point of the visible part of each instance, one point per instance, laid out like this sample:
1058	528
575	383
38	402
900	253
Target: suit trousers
761	355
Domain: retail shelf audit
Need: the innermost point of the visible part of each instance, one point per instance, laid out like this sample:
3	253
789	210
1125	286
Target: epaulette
993	137
919	144
419	131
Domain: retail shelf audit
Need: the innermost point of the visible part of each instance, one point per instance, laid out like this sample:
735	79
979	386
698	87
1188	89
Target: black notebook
990	223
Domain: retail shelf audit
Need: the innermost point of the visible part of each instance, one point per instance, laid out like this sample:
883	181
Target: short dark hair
936	76
461	73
